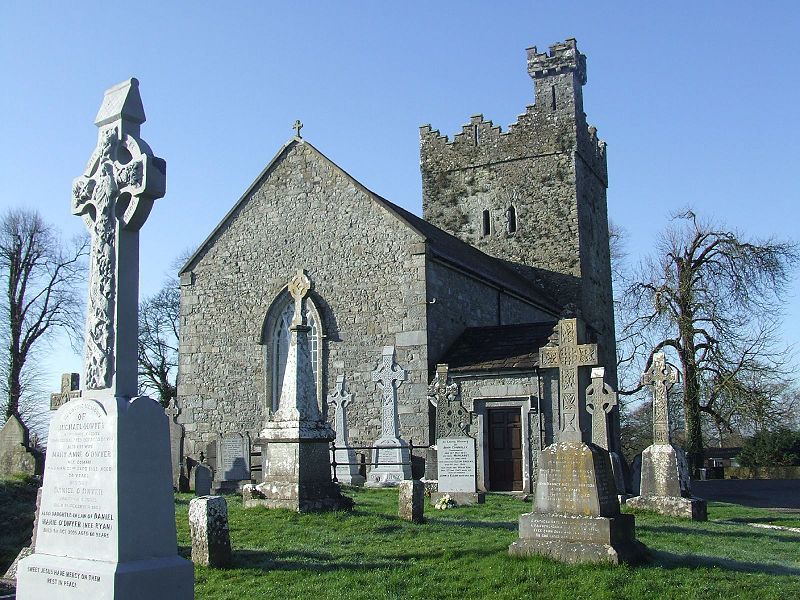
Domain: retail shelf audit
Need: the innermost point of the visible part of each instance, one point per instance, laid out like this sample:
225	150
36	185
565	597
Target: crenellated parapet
563	57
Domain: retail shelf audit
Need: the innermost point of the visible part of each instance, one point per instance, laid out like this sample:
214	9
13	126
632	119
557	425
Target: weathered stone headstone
14	454
391	457
665	486
202	476
455	456
576	516
600	401
208	526
411	501
107	519
233	462
180	480
296	439
347	471
70	389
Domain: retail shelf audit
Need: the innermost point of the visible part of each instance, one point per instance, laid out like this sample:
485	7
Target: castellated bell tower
534	196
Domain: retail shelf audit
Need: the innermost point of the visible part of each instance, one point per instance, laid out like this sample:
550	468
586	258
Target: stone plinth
208	524
665	486
576	514
106	524
297	470
411	501
460	498
695	509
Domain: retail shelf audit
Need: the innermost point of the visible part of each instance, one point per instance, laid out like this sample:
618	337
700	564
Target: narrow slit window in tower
486	223
512	219
553	97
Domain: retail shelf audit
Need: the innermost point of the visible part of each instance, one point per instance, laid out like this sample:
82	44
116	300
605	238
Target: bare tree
41	276
159	323
714	300
158	342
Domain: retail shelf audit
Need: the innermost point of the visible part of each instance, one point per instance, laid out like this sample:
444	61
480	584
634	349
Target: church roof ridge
445	246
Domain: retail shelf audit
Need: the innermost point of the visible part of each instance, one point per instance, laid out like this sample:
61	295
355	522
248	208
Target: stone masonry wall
551	168
463	301
368	272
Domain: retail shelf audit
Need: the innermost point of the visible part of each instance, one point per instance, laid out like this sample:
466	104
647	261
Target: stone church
514	230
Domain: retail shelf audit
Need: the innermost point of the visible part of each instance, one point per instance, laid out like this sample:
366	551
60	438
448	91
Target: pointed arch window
275	340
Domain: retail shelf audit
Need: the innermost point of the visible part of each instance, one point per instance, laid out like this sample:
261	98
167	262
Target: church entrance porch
505	449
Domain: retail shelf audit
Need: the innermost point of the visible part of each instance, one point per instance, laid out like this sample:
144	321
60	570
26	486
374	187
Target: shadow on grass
508	525
670	560
303	561
767	520
656	529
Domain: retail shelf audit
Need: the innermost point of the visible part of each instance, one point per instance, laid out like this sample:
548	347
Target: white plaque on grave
456	464
234	457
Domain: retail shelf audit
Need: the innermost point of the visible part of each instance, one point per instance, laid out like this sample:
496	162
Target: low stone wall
762	473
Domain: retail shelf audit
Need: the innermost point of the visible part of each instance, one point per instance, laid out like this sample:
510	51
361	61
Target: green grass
17	508
462	553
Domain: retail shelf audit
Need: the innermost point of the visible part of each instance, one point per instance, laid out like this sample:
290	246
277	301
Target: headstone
208	526
347	467
70	389
576	516
600	401
391	457
296	439
202	477
411	501
455	456
14	454
180	480
107	520
233	462
665	486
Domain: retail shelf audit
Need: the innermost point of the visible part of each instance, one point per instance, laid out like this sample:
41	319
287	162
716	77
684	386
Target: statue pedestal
297	469
576	516
387	472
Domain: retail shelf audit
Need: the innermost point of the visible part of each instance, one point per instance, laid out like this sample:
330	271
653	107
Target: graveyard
359	402
461	553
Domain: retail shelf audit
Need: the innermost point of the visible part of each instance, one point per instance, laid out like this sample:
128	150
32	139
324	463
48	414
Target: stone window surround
266	339
526	404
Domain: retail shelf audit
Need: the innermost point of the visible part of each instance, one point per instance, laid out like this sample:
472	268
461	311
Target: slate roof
447	247
498	348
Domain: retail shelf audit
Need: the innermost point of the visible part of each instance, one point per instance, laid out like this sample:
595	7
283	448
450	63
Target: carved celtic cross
568	356
452	419
390	376
662	377
114	196
340	399
600	400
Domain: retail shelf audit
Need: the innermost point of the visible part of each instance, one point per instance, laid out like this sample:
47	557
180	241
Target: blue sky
694	100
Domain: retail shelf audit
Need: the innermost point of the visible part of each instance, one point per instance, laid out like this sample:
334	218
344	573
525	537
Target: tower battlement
563	57
533	195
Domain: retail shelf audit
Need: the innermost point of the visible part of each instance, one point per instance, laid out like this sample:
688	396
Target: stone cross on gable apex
661	377
600	400
298	287
297	127
390	376
568	356
114	197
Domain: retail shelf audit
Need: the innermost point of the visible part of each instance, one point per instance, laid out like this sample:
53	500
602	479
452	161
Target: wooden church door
505	449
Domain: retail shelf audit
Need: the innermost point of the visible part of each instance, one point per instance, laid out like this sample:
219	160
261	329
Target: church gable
367	266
